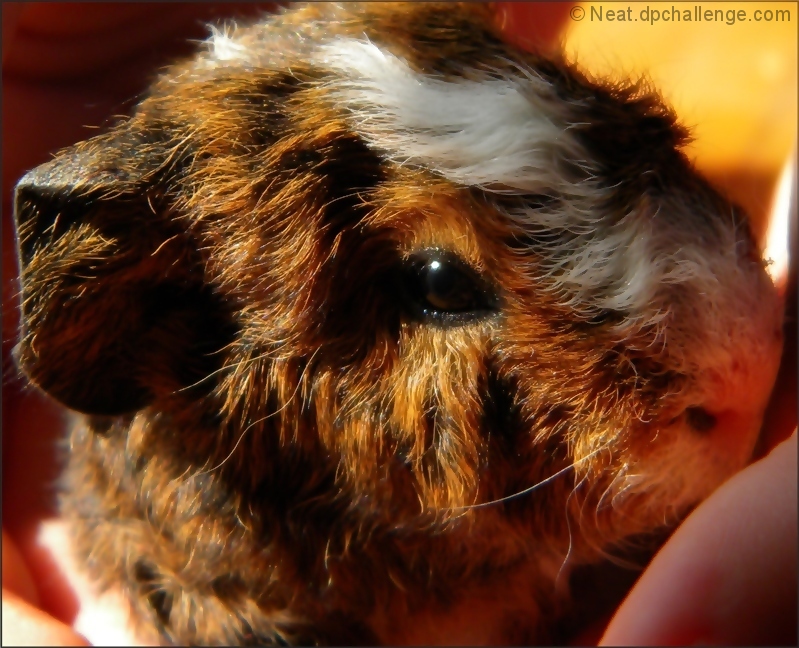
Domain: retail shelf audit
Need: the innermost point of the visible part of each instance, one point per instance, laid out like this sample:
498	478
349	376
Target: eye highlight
440	288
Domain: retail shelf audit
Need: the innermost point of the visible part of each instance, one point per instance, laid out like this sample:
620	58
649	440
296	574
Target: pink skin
727	576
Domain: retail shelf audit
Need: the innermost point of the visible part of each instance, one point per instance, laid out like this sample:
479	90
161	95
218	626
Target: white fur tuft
224	47
492	133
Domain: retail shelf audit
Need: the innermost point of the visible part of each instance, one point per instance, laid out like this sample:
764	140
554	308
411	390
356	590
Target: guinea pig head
445	268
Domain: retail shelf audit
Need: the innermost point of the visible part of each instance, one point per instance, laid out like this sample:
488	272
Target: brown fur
274	450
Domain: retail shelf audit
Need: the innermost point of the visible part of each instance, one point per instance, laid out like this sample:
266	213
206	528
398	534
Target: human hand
24	620
728	574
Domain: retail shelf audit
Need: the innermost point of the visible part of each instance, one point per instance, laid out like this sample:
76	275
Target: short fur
274	448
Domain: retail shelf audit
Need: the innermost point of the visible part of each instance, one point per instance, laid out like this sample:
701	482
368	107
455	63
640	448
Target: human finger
729	573
26	625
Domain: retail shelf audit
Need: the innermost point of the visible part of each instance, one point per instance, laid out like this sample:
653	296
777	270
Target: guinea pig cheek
436	410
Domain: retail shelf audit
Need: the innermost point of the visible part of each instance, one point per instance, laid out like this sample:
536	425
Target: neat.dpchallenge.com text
671	14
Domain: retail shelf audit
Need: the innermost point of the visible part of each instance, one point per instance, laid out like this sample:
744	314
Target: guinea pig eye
441	288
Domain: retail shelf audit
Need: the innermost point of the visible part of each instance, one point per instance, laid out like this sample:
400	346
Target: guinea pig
378	326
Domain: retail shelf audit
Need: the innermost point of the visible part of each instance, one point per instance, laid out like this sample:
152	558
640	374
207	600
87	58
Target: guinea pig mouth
732	432
700	420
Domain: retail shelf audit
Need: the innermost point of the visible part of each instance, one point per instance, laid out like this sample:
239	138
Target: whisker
232	365
569	529
263	418
530	489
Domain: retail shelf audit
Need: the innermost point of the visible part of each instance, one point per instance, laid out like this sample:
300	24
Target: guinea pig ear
114	308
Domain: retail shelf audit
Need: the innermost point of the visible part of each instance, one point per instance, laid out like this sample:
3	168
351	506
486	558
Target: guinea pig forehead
501	129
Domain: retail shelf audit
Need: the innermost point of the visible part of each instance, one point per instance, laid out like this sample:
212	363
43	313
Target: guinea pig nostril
700	419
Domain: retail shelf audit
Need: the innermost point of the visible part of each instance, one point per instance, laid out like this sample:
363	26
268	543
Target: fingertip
728	575
25	625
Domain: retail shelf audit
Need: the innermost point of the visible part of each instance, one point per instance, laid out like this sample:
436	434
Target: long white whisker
569	528
530	489
221	369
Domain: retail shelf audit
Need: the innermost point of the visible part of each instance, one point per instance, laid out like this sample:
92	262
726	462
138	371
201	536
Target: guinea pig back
378	326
